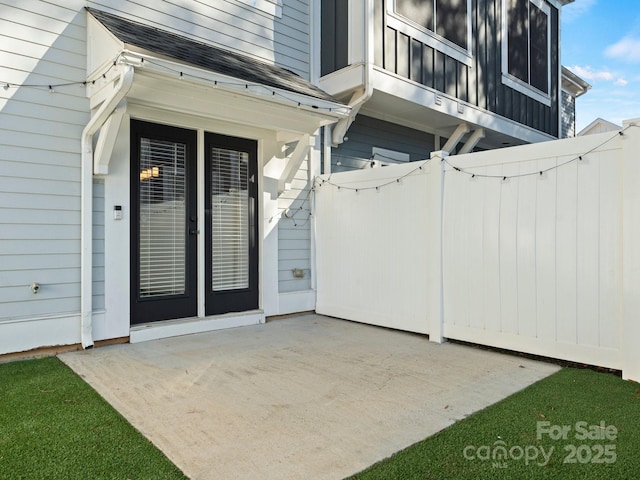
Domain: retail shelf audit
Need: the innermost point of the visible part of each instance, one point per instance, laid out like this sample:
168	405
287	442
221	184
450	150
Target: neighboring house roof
599	125
225	62
573	84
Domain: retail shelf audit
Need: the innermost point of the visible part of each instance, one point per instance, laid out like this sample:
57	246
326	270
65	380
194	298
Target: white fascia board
344	80
424	96
560	3
189	73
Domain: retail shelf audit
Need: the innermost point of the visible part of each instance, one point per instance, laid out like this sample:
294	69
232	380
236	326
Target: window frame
407	26
514	82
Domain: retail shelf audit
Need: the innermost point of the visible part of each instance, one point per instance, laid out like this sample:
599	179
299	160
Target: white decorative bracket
294	163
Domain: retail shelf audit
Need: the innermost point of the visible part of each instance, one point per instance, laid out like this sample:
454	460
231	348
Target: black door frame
238	300
150	309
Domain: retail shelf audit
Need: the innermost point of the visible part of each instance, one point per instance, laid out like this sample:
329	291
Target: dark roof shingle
206	56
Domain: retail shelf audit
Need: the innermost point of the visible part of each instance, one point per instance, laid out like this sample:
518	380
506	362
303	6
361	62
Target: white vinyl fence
533	248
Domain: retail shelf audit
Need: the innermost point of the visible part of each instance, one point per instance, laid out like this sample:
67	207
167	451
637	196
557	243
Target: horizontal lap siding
40	157
229	24
481	84
568	115
45	43
367	132
294	237
98	244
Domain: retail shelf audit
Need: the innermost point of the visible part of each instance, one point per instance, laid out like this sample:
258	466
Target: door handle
193	231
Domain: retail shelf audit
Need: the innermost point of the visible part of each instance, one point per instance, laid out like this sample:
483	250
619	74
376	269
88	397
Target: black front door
231	240
164	227
164	222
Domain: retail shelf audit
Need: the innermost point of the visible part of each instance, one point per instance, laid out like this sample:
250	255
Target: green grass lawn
592	431
54	426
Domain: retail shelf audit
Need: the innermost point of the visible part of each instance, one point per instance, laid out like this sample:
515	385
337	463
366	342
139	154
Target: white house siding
44	43
98	245
230	24
40	43
294	234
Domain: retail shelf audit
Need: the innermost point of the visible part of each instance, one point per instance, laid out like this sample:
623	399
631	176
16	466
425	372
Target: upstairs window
446	18
526	54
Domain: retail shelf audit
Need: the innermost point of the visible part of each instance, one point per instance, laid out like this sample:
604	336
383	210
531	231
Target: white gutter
86	234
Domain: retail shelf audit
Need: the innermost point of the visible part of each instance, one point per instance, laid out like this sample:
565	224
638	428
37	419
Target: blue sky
601	43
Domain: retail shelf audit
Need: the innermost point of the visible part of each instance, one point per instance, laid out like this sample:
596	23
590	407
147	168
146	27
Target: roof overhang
401	101
418	105
292	106
573	84
560	3
168	85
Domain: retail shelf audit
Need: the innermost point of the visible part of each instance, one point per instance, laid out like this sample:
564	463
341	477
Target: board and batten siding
334	48
479	84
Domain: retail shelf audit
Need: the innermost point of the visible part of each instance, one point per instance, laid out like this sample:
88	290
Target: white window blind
162	218
229	219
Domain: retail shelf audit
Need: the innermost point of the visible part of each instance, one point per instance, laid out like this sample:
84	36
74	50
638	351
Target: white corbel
456	136
294	162
472	141
107	140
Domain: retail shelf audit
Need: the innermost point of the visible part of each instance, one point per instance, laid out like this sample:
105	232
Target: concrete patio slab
303	397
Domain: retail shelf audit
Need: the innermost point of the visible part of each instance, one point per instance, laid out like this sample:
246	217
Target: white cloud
576	9
603	75
627	49
589	73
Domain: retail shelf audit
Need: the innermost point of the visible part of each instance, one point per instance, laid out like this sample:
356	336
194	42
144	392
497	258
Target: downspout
86	210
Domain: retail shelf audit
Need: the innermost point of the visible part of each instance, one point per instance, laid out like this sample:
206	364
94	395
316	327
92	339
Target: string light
52	87
292	216
472	175
181	75
245	85
321	182
505	178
